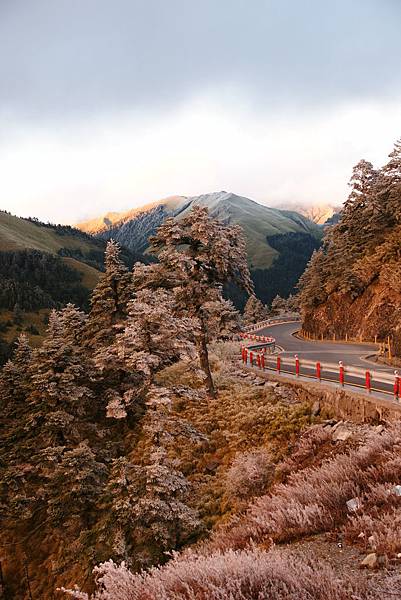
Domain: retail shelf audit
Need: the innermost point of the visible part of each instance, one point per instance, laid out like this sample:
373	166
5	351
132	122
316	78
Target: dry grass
244	417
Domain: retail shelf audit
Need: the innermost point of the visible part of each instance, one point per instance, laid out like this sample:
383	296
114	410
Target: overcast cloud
105	104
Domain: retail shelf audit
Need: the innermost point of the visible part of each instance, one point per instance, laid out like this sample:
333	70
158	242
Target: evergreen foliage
197	256
86	430
35	280
254	311
363	248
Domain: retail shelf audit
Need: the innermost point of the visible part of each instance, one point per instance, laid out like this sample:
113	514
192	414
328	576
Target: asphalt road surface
352	355
330	352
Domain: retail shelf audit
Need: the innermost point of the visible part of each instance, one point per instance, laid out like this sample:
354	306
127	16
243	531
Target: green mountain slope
42	266
259	222
279	242
22	234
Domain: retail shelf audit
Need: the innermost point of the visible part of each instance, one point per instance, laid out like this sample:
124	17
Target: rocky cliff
353	283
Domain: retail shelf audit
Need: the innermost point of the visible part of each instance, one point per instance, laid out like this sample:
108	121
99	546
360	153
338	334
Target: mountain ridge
132	227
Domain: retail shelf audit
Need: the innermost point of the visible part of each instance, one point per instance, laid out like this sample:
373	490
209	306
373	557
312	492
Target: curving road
330	352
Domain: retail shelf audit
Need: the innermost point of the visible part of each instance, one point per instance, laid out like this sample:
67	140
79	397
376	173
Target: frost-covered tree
148	499
153	337
14	380
254	311
197	256
75	482
222	319
109	299
279	305
60	375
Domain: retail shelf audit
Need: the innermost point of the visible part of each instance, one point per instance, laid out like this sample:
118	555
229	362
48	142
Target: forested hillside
43	266
353	283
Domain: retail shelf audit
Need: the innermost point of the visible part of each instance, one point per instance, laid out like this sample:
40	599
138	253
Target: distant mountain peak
132	228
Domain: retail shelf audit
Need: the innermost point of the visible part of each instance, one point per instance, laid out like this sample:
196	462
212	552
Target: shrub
246	575
249	475
314	499
378	527
381	533
305	448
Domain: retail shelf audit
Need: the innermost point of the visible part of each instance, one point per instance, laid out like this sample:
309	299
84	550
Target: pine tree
279	305
14	378
198	255
18	314
153	337
60	376
75	481
392	170
109	299
148	499
254	311
223	320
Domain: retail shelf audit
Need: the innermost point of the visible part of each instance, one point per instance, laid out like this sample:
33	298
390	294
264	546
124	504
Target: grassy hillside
259	222
41	266
17	234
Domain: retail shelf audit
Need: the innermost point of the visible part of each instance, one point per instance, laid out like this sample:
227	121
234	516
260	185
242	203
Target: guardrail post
251	358
263	362
342	378
296	365
278	364
318	371
397	385
258	361
368	382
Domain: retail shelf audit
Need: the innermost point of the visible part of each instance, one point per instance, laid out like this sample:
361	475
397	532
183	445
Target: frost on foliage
161	426
197	256
109	299
115	408
153	336
148	503
254	311
250	474
148	499
222	318
14	378
314	498
244	575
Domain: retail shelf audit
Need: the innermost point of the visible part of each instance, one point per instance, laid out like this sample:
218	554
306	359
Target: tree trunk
204	360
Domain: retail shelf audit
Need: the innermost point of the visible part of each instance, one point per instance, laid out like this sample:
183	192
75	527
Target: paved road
352	356
330	352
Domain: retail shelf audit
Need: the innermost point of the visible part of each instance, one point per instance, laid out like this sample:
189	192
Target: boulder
341	434
353	504
370	561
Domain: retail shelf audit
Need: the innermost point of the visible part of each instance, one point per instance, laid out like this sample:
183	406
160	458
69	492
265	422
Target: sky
107	105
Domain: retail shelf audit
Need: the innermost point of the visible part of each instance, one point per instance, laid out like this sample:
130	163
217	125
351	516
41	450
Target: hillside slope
353	284
266	229
25	234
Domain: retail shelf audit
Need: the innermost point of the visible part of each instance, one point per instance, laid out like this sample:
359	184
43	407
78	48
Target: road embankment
340	403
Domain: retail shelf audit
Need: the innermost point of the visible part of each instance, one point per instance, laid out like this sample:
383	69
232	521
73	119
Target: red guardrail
338	373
